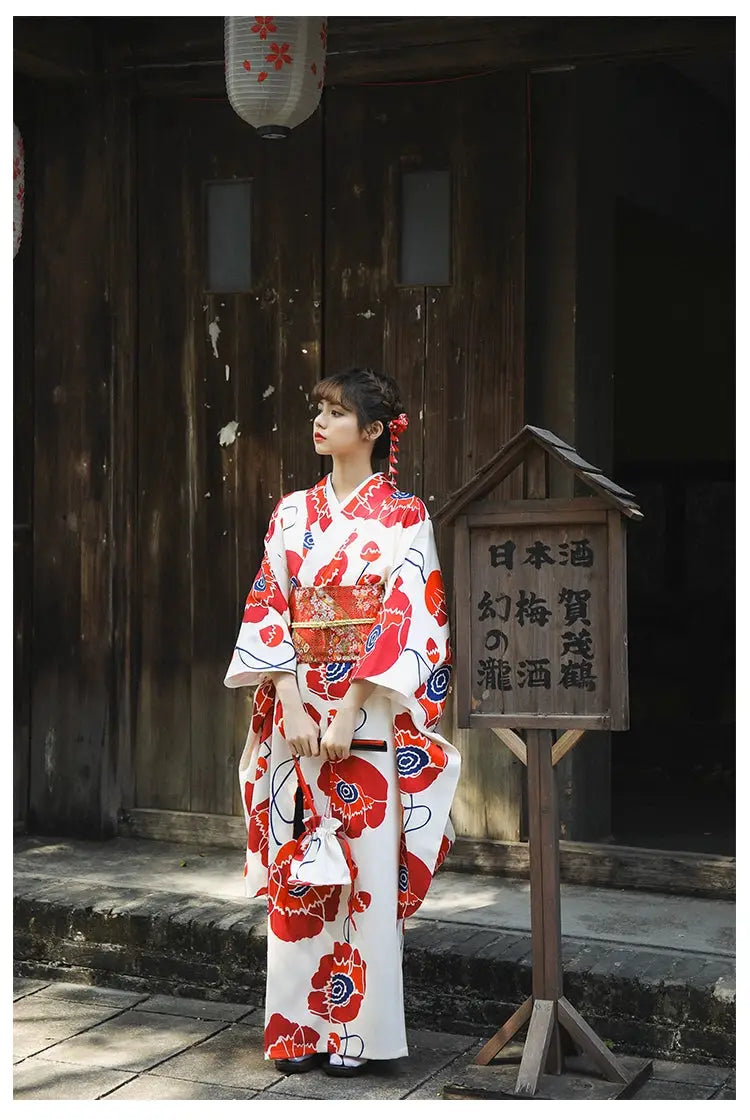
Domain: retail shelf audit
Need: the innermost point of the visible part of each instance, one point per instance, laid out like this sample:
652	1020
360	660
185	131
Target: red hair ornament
396	426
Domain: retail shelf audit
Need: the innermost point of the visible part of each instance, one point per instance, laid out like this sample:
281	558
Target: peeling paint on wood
228	434
214	330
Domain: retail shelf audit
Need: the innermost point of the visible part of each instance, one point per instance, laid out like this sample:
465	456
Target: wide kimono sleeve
408	650
264	642
408	655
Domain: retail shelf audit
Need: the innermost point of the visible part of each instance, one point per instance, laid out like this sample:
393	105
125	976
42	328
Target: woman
355	557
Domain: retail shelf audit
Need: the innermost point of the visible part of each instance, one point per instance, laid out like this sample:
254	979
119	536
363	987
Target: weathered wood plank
118	776
589	1041
214	830
512	741
216	365
166	465
533	719
606	865
486	802
542	986
294	203
535	1051
510	1028
565	743
369	318
24	112
22	600
72	394
461	619
549	843
209	396
618	622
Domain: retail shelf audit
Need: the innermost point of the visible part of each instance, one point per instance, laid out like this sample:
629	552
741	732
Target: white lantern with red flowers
275	67
18	188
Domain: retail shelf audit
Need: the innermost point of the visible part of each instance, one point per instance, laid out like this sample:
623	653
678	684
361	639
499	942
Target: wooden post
547	1011
544	862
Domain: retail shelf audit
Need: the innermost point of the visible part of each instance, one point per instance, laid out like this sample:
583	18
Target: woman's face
336	431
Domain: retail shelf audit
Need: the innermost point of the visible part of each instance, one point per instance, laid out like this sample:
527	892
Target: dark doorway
673	773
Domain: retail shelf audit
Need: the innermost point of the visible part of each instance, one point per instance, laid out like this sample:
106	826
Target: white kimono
334	956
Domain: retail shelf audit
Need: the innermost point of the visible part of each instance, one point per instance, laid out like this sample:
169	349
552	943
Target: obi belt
332	622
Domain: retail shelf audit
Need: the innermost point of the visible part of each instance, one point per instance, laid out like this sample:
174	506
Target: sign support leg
549	1014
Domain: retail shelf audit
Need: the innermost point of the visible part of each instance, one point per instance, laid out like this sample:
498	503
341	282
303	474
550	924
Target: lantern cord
431	81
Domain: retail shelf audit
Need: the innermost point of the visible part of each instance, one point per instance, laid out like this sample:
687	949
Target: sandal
339	1066
299	1065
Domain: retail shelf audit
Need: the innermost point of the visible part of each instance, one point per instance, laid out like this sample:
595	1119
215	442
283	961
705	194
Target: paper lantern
17	188
275	66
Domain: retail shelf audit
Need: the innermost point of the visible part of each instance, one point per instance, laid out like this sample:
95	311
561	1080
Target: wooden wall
71	683
147	530
456	351
203	508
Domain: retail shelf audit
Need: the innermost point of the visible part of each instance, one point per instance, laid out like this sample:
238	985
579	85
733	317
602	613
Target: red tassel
399	424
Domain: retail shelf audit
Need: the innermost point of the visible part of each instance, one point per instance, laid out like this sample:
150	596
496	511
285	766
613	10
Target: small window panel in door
228	212
425	250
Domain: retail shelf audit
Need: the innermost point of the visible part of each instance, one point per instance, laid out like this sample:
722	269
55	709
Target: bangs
331	390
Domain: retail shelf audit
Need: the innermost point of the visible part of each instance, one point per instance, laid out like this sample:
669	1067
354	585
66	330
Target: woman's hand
300	730
337	739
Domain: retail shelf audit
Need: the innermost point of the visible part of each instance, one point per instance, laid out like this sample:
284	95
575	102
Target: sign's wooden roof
514	452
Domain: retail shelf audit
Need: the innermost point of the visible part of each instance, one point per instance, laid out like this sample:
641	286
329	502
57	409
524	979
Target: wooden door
208	362
456	349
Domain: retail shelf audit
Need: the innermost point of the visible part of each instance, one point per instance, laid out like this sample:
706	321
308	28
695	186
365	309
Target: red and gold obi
332	622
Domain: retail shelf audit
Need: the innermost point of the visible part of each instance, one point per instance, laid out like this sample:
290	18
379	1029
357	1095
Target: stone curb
457	977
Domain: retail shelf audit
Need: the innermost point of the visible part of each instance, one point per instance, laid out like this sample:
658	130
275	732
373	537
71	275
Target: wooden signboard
541	615
541	643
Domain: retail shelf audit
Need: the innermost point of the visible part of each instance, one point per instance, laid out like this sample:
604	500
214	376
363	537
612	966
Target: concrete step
97	912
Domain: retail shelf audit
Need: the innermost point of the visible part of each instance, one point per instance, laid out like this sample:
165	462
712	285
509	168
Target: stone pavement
78	1042
653	975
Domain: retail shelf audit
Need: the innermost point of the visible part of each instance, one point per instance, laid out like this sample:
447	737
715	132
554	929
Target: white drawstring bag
319	858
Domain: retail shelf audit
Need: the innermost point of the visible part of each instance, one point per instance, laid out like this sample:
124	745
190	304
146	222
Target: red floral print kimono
334	956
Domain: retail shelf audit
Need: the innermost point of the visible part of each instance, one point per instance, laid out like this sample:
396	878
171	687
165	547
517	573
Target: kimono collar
334	502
